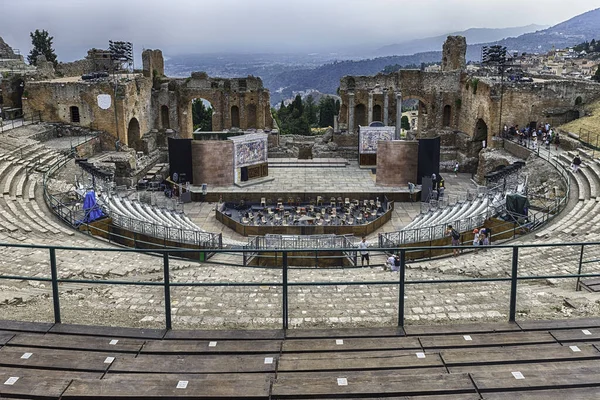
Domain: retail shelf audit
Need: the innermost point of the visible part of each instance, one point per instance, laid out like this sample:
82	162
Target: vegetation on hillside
201	115
300	116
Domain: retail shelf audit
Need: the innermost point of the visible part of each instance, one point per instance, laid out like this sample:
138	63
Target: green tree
42	45
201	116
404	123
310	110
327	111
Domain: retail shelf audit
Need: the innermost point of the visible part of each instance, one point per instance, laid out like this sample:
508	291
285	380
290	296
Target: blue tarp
91	208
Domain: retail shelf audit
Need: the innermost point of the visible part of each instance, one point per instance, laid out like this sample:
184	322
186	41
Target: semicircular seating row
582	218
21	210
462	216
148	215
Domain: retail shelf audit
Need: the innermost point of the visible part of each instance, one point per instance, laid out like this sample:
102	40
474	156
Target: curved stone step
8	182
49	220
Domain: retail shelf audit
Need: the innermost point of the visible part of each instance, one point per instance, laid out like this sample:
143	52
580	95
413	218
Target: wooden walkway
523	360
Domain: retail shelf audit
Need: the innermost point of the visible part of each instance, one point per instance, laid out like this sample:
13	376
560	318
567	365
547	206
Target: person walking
455	236
364	253
456	169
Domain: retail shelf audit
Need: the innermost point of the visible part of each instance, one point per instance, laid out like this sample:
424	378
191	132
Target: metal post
402	273
55	294
167	290
513	284
285	290
578	287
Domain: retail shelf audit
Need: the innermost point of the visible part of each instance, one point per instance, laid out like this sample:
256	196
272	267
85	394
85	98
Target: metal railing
76	218
24	120
438	231
429	233
285	283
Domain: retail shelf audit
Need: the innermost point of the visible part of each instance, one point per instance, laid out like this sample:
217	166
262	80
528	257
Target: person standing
456	169
475	237
364	253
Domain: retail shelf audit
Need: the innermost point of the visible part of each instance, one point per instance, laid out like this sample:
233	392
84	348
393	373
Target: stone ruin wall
52	100
153	62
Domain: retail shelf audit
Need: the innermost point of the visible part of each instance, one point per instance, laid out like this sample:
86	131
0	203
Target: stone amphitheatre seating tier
150	215
582	217
526	359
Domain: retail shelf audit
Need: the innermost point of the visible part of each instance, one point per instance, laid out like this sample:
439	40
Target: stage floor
350	179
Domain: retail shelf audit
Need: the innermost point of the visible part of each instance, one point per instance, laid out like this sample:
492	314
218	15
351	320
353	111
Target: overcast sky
196	26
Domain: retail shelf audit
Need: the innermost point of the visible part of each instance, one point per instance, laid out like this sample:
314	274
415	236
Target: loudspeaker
429	158
180	158
244	174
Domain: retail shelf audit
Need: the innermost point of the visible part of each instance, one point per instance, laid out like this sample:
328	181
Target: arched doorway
481	132
74	114
447	115
360	115
377	114
252	117
164	117
235	117
133	135
202	113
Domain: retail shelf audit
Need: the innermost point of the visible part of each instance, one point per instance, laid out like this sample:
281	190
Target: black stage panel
180	158
429	158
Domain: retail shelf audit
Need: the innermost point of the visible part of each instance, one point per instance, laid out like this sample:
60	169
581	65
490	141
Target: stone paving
313	304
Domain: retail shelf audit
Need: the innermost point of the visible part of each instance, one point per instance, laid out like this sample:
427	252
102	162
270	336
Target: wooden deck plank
540	366
352	344
56	359
361	373
546	325
486	339
76	342
222	387
195	364
592	393
50	373
5	337
401	385
576	335
421	330
546	379
24	326
333	363
510	356
211	347
31	387
344	333
257	334
434	397
108	331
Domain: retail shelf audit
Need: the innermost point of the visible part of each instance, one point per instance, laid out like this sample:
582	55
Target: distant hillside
473	35
326	78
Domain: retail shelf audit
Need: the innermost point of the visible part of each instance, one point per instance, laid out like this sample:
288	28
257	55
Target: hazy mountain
473	35
566	34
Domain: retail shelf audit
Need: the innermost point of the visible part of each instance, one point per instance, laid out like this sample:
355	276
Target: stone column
350	112
370	111
386	101
398	114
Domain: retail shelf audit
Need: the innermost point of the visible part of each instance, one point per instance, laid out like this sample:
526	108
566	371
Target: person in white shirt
390	263
364	253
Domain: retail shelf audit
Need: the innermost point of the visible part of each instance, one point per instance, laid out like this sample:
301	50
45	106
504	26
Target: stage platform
306	184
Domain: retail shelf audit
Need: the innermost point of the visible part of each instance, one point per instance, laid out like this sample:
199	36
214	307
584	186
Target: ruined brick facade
149	101
452	99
